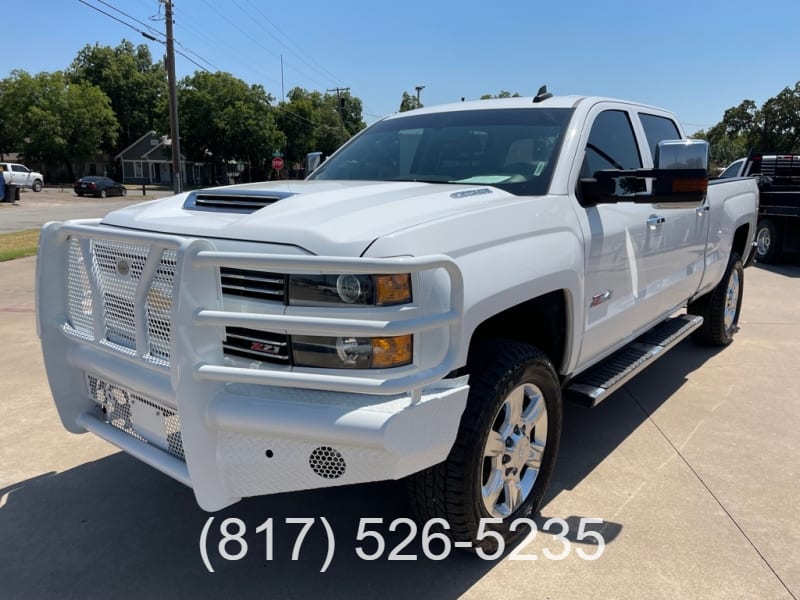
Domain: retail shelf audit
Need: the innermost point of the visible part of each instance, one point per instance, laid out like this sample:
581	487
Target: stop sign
277	163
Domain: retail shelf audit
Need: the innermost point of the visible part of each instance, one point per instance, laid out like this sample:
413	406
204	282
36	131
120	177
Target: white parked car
17	174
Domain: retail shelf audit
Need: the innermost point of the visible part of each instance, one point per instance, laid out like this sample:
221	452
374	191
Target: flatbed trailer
778	230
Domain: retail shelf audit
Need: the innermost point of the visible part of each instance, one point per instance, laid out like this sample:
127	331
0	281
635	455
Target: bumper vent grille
232	201
253	284
117	402
257	345
327	462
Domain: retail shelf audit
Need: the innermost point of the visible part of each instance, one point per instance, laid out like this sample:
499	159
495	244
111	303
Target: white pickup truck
417	308
22	176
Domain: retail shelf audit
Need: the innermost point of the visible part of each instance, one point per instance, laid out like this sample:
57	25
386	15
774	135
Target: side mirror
680	177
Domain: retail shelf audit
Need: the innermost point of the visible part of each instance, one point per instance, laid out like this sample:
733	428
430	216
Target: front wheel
37	186
505	450
123	192
720	308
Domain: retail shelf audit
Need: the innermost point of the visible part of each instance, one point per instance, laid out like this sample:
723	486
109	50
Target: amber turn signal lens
391	351
392	289
689	185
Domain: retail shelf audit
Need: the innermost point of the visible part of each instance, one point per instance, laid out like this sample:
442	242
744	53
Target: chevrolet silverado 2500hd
417	308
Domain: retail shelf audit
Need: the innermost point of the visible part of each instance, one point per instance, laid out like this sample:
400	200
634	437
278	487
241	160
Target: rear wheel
720	308
769	241
103	193
505	450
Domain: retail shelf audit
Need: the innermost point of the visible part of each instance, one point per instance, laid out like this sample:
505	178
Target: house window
137	169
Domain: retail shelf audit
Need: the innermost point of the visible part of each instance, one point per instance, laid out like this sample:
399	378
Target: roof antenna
542	95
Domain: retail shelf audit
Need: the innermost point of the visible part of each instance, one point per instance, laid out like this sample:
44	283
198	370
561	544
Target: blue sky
696	58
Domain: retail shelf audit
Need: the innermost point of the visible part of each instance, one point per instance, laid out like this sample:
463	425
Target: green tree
780	121
313	121
223	119
52	121
135	84
774	127
502	94
409	102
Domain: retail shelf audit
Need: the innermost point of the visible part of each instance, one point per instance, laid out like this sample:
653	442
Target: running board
600	381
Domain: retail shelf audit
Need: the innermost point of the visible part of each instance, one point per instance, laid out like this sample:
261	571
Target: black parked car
95	185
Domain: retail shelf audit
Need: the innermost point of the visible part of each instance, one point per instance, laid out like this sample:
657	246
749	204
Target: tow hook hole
269	453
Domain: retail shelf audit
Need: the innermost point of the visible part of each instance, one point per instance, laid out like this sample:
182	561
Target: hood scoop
232	201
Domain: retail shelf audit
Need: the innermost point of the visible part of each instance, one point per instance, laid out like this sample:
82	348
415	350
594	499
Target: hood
337	218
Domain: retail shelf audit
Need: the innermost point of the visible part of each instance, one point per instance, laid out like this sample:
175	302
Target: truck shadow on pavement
115	528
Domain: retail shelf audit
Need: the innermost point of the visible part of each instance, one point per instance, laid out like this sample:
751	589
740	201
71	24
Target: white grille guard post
388	438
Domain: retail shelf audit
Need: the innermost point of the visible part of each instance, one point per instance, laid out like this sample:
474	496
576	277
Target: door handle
702	210
654	221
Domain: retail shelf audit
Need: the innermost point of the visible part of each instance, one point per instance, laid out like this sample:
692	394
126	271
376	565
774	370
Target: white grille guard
207	393
197	259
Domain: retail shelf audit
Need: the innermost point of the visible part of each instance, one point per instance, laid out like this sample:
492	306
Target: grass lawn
18	244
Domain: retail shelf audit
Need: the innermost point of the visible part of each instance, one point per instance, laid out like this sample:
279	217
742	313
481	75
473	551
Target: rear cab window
658	128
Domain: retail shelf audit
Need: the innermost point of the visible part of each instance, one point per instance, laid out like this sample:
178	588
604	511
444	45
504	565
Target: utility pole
177	176
419	88
340	106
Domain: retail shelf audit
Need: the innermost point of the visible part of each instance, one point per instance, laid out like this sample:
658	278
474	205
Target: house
149	160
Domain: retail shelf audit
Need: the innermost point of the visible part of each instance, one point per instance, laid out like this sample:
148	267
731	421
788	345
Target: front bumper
131	325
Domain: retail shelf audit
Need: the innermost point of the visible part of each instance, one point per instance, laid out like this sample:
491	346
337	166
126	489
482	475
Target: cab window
612	144
657	129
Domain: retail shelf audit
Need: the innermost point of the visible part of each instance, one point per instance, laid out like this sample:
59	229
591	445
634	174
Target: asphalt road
692	468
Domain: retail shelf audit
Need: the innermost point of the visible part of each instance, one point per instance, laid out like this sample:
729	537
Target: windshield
512	148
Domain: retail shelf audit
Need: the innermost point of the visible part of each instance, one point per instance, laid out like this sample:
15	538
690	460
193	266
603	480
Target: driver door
623	242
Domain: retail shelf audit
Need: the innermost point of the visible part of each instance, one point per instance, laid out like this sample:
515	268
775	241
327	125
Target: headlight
351	352
348	289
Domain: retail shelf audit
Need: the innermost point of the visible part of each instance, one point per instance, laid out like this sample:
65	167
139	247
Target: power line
289	44
112	7
147	35
109	15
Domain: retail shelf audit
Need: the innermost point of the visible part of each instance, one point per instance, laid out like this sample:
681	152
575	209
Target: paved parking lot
60	203
692	468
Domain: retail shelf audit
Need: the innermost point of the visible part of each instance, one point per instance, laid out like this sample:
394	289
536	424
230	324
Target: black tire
37	185
721	307
123	192
79	194
103	193
769	241
453	489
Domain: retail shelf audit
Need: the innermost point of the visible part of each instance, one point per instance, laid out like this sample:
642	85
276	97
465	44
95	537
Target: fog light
353	350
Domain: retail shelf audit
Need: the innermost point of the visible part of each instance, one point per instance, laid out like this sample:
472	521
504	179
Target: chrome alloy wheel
512	456
763	241
732	300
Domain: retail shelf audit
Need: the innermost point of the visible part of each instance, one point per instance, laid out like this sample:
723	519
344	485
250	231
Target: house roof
149	134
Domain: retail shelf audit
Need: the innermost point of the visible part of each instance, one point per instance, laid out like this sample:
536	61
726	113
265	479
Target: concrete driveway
692	468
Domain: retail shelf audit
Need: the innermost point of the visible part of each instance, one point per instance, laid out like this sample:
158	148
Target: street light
419	88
